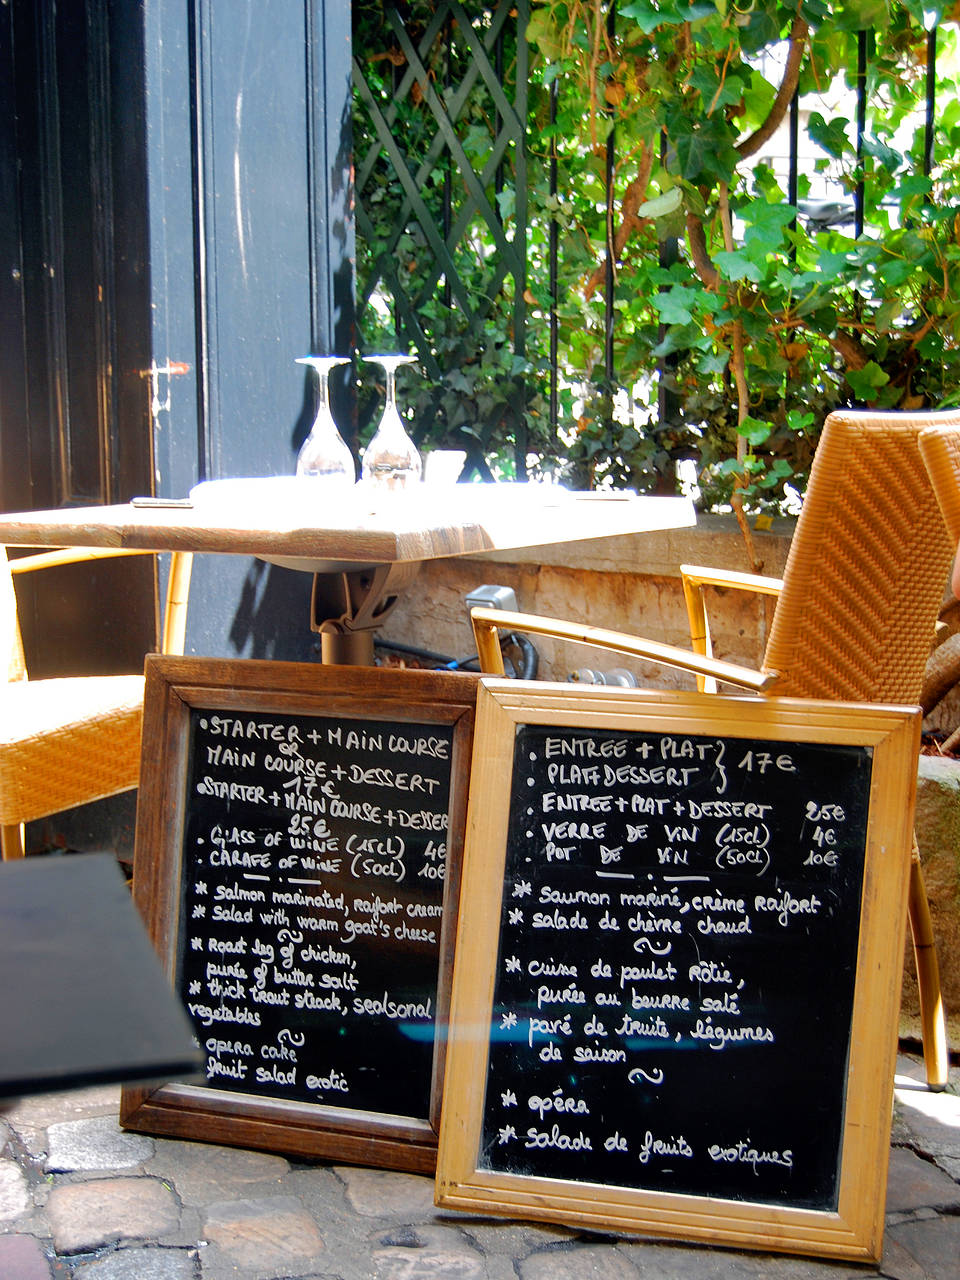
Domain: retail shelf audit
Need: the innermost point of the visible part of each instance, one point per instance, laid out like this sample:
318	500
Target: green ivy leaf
754	431
831	137
716	93
681	337
761	28
861	15
661	205
507	202
797	420
866	382
766	226
650	14
815	11
914	184
885	156
712	363
705	149
736	265
675	306
730	467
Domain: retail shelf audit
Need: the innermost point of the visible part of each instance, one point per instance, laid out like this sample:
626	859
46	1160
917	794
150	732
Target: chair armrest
693	579
173	633
71	555
487	623
700	576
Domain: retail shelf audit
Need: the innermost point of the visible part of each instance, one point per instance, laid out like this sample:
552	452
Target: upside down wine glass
325	455
391	459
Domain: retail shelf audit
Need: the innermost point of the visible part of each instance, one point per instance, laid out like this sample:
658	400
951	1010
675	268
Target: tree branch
849	348
697	239
791	75
633	198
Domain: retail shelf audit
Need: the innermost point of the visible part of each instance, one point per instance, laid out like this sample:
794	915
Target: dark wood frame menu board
297	862
676	990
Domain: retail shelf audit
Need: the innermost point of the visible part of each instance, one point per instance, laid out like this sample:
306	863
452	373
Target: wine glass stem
391	396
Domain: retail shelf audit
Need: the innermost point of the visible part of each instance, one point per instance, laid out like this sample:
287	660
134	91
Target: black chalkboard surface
679	950
298	849
670	916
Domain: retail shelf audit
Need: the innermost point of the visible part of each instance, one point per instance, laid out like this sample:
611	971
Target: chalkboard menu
298	854
673	922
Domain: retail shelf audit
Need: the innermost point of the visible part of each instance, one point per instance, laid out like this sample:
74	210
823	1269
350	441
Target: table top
280	520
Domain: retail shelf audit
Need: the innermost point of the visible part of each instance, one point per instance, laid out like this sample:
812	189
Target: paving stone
515	1238
897	1264
22	1258
914	1183
14	1192
141	1264
428	1252
428	1235
933	1119
697	1262
95	1143
205	1174
242	1215
43	1109
900	1135
577	1262
275	1233
88	1215
381	1193
427	1264
29	1117
933	1244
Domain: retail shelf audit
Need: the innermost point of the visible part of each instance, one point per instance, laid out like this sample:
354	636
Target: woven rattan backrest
940	449
11	646
868	565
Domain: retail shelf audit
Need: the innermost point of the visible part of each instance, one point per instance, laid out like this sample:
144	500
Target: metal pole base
347	648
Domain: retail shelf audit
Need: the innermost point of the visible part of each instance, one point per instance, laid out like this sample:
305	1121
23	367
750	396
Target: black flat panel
85	1001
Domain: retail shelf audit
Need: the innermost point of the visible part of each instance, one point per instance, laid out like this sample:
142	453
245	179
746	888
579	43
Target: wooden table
369	544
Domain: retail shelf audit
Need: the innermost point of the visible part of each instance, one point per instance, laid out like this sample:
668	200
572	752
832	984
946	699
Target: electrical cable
525	669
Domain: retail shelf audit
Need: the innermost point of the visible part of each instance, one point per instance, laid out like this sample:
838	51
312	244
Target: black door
247	111
175	229
74	420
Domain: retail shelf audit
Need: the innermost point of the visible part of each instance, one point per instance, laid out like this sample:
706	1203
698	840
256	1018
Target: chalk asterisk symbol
522	889
508	1019
516	916
507	1134
513	964
508	1098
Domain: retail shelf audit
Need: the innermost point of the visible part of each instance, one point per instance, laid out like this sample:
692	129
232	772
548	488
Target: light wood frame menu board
297	862
676	988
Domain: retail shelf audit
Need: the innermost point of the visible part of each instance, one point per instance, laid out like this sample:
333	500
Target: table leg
348	608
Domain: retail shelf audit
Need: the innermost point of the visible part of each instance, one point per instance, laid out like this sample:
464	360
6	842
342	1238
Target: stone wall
938	835
629	584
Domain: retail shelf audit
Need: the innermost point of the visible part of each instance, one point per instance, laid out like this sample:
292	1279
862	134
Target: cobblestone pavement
82	1200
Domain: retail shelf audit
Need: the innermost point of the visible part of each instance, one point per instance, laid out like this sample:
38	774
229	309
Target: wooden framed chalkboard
297	861
676	990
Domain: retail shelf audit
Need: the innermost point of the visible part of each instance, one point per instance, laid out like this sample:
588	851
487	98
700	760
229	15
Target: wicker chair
855	612
940	450
68	741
